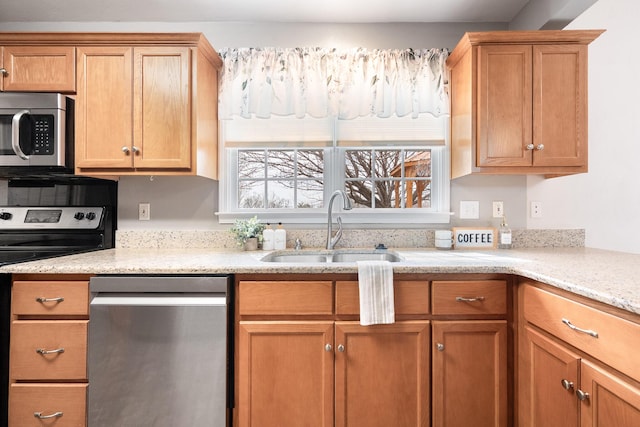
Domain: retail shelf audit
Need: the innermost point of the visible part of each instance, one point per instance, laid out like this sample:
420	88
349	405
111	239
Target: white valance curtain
319	82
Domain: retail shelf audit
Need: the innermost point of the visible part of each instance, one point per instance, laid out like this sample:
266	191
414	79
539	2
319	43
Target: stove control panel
30	218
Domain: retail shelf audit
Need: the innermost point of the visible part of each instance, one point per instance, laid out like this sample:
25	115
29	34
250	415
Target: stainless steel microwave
36	130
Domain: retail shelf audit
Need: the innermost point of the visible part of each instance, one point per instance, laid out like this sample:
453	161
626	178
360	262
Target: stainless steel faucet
346	204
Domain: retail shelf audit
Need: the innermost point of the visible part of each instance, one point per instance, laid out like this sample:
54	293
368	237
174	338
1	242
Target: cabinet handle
582	395
4	72
540	147
43	351
340	348
474	299
327	347
44	417
125	150
440	346
566	384
43	299
575	328
530	147
135	149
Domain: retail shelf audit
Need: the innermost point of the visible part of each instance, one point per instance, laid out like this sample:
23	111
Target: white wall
606	201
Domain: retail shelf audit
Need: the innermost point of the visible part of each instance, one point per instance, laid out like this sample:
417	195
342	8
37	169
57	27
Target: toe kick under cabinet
302	357
48	354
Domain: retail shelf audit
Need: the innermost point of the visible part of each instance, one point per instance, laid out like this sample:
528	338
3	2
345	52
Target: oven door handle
15	134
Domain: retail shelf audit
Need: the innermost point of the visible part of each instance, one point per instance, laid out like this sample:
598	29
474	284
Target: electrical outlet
469	209
144	211
536	209
498	209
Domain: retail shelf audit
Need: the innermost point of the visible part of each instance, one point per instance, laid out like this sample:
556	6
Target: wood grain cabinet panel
484	297
66	401
519	102
50	298
49	350
410	297
38	69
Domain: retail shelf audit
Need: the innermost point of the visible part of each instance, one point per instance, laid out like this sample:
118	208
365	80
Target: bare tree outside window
373	178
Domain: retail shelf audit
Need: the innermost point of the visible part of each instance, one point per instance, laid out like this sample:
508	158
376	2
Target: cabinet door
549	379
38	68
285	374
470	373
560	105
504	105
162	107
611	402
104	108
382	374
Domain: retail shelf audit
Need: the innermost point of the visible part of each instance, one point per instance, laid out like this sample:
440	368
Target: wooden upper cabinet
147	108
38	69
104	108
519	102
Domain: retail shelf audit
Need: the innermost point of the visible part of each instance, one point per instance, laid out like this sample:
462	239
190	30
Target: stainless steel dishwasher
158	351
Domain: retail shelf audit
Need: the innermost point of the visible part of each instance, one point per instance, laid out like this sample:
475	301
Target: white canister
279	238
267	238
444	239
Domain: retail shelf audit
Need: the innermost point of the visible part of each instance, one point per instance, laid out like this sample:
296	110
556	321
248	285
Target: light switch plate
469	209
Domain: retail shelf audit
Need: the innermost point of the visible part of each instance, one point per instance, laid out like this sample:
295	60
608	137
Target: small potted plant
247	232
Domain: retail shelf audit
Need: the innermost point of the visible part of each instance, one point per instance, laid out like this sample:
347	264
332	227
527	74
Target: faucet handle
298	245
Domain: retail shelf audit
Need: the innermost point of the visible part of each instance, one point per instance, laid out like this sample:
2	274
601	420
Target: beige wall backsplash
394	238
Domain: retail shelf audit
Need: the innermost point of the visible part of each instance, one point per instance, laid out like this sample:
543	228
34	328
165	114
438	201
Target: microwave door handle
15	134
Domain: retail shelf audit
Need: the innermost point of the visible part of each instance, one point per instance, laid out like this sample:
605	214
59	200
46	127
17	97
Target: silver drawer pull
475	299
44	417
43	300
577	329
43	351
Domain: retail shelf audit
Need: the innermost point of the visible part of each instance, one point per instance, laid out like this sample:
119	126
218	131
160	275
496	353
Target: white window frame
439	213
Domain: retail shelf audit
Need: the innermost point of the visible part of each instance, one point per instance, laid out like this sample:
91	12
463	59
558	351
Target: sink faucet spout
346	204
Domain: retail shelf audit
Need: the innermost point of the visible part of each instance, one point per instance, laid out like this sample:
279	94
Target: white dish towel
375	280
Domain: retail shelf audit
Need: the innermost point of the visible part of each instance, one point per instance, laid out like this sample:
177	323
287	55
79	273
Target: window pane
251	194
310	194
281	164
418	163
419	194
310	163
281	194
387	163
360	192
388	194
357	163
251	164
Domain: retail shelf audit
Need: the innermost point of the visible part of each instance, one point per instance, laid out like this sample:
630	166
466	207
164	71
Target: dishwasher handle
158	300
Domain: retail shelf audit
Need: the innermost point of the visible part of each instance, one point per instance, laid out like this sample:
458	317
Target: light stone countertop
606	276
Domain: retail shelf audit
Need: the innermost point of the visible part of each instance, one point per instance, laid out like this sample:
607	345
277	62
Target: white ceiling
327	11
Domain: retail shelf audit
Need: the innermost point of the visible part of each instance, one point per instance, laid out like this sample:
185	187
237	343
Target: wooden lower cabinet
611	400
287	370
37	405
382	374
469	374
285	373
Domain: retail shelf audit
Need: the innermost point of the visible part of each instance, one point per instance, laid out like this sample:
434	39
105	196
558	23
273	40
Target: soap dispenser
268	238
280	238
504	235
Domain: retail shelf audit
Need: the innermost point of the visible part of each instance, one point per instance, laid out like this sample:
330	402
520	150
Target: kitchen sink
342	255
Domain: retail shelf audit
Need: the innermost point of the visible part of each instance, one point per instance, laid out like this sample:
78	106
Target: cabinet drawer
617	341
285	297
410	297
50	298
25	400
27	336
469	297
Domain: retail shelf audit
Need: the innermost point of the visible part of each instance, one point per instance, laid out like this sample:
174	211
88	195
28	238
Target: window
394	170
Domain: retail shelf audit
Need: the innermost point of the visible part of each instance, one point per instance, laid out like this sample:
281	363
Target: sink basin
297	257
332	256
340	256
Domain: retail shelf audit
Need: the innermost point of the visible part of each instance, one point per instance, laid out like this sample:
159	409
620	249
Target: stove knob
79	215
5	215
91	216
